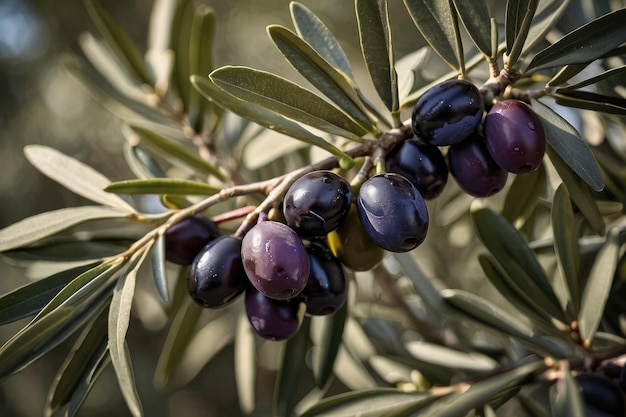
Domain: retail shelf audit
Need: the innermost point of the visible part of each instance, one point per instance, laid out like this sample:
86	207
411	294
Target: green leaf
85	355
566	244
565	74
321	74
176	152
568	144
436	21
159	275
585	44
118	321
517	259
88	381
118	41
523	195
446	357
262	116
31	298
245	364
327	333
162	186
74	175
567	401
475	17
421	282
377	49
293	365
159	56
201	59
142	164
591	101
39	226
282	96
519	15
604	76
315	33
598	285
70	250
180	38
547	14
370	403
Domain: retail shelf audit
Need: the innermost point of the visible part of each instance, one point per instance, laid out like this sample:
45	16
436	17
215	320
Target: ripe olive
272	319
422	164
216	276
275	260
514	136
474	169
317	203
327	287
351	244
393	212
184	240
447	113
598	392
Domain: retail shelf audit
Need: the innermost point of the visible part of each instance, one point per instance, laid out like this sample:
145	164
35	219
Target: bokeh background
42	104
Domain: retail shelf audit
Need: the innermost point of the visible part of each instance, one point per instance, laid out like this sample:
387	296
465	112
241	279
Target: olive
270	318
185	239
327	287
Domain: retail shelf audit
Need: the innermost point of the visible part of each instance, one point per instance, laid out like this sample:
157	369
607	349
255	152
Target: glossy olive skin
598	392
352	246
275	260
327	287
422	164
447	113
474	169
185	239
393	212
515	137
216	276
317	203
272	319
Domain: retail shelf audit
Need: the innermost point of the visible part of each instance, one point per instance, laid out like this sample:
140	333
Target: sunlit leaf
70	250
182	22
141	163
566	141
584	44
523	195
591	101
598	285
118	41
446	357
519	15
292	366
162	186
320	73
565	74
262	116
547	14
245	364
436	21
176	152
314	31
567	401
475	17
377	49
159	57
159	276
39	226
74	175
566	244
327	333
31	298
604	76
201	59
284	97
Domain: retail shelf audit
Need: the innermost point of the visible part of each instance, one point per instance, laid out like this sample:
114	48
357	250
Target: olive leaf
201	60
162	186
476	18
180	42
523	194
245	364
141	163
519	16
591	101
567	400
547	14
326	334
159	276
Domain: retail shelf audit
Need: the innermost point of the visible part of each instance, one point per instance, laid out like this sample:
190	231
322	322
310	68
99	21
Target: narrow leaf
375	37
457	360
585	44
567	401
162	186
39	226
88	381
523	195
327	333
262	116
142	164
245	364
566	244
316	33
282	96
201	59
182	22
74	175
591	101
159	275
436	21
566	141
519	15
604	76
598	285
547	14
476	18
176	152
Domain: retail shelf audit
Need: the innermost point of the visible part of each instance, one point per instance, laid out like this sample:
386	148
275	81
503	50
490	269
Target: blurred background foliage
42	104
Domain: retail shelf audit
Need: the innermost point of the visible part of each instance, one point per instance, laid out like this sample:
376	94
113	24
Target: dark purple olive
514	136
393	212
327	287
275	260
272	319
422	164
184	240
474	169
599	392
216	276
317	203
447	113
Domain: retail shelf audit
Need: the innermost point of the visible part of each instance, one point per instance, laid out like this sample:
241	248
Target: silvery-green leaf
567	400
39	226
245	364
180	37
326	333
201	60
159	276
74	175
141	162
475	17
523	194
519	15
591	101
158	43
547	14
450	358
162	186
88	381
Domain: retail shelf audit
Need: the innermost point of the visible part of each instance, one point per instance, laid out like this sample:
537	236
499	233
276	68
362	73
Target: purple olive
185	239
327	287
272	319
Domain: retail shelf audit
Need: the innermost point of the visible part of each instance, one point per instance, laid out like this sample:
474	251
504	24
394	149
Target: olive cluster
484	144
603	396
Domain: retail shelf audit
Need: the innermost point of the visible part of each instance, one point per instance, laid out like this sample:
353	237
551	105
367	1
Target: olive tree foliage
550	246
